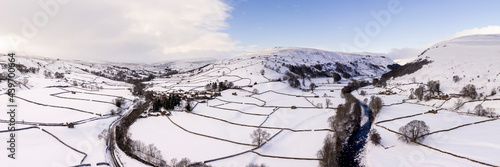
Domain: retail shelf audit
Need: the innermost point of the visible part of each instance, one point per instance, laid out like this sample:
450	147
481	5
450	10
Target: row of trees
375	105
469	91
23	69
304	72
292	79
433	87
219	86
324	70
379	83
123	137
481	111
344	123
137	88
57	75
405	69
354	85
147	152
167	102
124	75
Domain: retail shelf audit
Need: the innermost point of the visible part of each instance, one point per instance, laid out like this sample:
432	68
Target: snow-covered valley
288	95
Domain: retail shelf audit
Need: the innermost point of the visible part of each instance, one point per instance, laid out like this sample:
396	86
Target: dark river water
357	141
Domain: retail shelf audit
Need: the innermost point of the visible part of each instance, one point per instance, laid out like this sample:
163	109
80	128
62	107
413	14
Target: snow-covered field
47	110
462	138
475	141
233	116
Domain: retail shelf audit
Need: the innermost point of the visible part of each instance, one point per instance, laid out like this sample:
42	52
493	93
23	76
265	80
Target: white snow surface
472	58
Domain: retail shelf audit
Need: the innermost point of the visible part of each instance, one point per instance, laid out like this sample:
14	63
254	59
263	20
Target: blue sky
162	30
328	23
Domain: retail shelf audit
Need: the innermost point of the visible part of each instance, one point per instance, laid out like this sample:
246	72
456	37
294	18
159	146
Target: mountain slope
307	59
474	59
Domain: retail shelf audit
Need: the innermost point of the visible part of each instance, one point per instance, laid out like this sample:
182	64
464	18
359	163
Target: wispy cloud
492	29
404	53
121	30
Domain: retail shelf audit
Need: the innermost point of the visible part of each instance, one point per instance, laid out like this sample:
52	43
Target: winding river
357	141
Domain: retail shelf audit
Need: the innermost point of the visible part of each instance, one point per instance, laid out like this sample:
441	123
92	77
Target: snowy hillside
474	59
354	64
459	117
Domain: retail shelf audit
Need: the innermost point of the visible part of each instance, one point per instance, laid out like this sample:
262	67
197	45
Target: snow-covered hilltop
470	60
310	56
345	64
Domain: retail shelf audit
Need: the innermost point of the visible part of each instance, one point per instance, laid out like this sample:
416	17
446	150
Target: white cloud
404	53
492	29
121	30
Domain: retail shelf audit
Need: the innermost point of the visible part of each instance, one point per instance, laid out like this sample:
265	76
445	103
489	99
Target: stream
357	141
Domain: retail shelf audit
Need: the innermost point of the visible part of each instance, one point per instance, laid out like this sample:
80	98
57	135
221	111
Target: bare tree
103	135
362	93
319	105
183	163
312	86
328	154
173	162
459	103
414	131
375	137
411	97
427	97
294	82
328	102
259	136
343	124
119	102
491	112
208	87
336	77
255	91
4	76
469	91
456	78
25	81
433	86
375	105
188	106
419	92
481	111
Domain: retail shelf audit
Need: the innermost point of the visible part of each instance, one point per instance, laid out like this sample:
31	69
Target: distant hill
320	63
473	59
